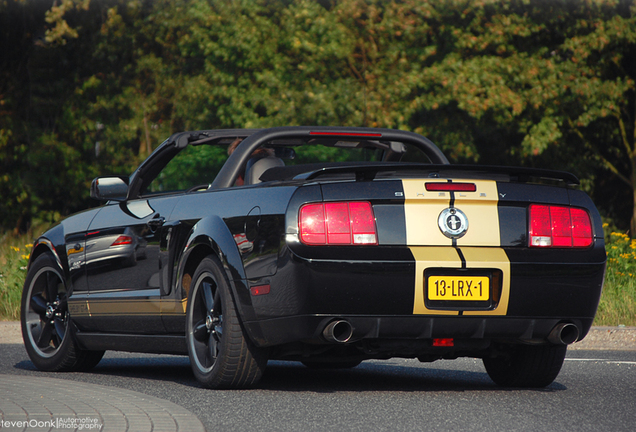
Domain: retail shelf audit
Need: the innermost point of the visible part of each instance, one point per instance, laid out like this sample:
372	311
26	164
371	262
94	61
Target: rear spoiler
369	171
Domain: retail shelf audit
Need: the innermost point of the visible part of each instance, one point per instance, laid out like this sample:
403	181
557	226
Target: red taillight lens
559	226
122	240
362	223
540	227
312	224
338	223
581	228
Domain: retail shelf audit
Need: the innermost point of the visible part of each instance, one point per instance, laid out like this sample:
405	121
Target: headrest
257	168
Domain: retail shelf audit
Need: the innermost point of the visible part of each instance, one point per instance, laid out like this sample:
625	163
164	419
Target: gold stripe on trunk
480	245
431	257
494	258
421	210
483	217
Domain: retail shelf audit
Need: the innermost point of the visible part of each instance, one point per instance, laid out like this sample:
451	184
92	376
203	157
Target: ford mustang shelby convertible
327	246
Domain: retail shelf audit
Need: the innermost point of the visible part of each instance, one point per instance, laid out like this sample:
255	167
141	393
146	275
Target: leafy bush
13	265
618	301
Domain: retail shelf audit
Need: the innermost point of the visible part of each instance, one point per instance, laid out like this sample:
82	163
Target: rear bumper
309	328
379	298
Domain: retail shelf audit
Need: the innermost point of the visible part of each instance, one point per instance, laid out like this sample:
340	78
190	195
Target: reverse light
559	227
122	240
338	223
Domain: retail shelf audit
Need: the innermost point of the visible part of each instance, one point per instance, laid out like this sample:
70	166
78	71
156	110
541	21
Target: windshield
196	166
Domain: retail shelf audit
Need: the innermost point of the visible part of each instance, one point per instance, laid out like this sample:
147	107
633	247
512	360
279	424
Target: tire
46	326
220	354
88	360
331	365
530	366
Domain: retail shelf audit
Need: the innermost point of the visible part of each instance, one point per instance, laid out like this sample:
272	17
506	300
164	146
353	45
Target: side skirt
156	344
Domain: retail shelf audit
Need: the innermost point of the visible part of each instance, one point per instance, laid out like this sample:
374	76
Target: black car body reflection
373	246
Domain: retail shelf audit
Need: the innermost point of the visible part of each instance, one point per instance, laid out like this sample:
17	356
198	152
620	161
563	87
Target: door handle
156	223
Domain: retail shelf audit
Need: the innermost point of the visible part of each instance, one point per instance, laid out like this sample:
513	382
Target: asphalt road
596	391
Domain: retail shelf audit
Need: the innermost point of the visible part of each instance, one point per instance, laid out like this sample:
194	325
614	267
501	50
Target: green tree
21	28
551	82
89	88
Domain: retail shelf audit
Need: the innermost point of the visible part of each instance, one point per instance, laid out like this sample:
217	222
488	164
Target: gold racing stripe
421	210
480	246
137	307
431	257
173	306
78	307
493	258
481	211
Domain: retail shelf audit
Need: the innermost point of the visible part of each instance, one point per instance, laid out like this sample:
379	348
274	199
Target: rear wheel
46	327
526	365
220	354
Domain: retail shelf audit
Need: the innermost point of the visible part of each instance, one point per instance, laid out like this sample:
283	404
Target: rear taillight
338	223
559	227
122	240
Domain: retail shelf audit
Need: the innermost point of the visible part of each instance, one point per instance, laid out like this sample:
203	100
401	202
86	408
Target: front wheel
526	365
220	354
46	328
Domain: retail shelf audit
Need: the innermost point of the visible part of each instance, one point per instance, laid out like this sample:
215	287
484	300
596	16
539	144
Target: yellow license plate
469	288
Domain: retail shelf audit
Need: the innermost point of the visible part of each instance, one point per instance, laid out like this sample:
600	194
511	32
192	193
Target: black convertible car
323	245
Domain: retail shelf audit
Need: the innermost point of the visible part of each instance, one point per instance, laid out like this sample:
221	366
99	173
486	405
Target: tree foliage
91	87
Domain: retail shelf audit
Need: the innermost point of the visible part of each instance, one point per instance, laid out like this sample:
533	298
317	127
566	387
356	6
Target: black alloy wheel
46	316
207	329
221	355
45	320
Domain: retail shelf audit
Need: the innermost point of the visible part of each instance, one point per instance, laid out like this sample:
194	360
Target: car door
123	266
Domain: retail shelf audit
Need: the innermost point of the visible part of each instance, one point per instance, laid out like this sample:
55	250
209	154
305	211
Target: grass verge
14	257
617	305
618	301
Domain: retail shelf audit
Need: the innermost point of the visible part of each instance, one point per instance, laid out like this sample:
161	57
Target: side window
193	166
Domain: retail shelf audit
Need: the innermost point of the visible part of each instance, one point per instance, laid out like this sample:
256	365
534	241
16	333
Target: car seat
256	167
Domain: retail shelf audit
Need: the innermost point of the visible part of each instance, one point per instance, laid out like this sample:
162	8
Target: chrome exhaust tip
339	331
564	334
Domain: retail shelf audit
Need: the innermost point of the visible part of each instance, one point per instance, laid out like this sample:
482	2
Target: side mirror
110	188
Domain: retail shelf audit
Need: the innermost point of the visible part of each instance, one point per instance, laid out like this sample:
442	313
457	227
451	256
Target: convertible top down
324	245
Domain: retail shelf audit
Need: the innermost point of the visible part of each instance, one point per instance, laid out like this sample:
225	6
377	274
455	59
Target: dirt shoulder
599	338
10	332
608	338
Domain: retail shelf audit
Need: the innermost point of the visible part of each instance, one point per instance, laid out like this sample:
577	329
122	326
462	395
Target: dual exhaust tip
341	331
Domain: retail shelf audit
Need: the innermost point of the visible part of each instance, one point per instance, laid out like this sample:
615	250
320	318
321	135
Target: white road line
602	360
